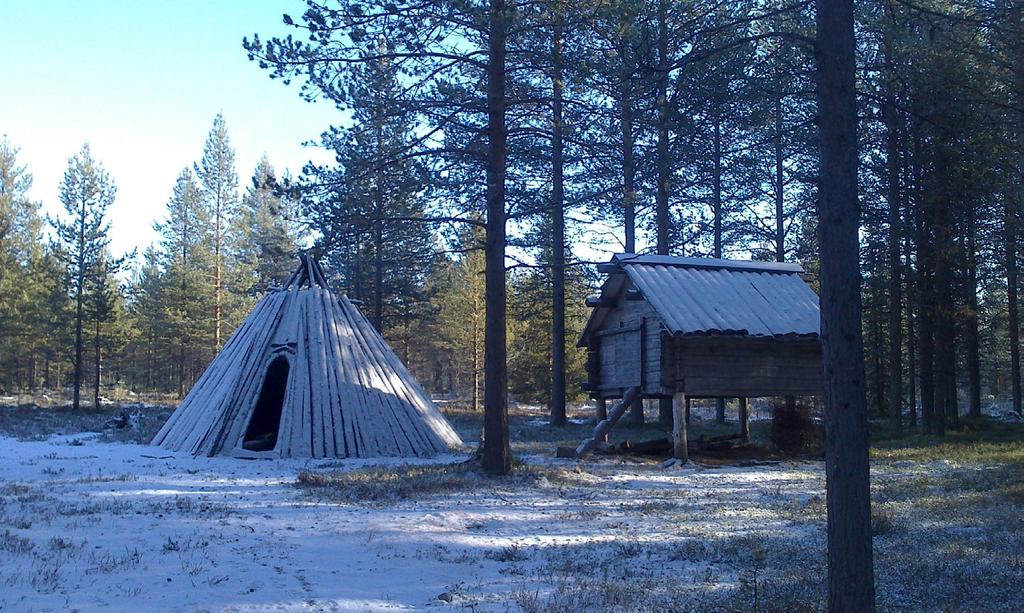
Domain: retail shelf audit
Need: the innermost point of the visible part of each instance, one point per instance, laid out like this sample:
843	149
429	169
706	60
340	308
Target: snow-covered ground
89	525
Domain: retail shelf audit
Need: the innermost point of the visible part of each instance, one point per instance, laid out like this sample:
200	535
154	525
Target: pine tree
183	292
23	268
848	492
372	223
264	235
86	193
216	172
460	316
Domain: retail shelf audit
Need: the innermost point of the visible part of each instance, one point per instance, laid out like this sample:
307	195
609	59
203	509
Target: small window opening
261	435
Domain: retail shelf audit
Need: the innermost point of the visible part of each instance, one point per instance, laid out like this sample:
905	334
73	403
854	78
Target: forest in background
672	127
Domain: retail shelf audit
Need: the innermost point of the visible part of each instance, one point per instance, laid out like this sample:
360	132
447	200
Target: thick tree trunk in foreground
557	406
496	457
850	571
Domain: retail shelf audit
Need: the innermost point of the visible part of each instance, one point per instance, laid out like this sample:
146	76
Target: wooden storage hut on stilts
676	328
307	376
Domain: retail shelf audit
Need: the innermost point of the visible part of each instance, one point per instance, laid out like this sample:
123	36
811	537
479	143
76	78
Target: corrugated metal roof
705	296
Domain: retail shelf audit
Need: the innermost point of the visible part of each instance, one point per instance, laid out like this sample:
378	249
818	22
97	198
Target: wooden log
679	404
602	414
604	426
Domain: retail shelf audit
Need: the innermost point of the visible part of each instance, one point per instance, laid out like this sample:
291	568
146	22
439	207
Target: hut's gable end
627	344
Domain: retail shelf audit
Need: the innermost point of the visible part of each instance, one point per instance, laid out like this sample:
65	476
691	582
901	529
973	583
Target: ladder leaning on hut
619	409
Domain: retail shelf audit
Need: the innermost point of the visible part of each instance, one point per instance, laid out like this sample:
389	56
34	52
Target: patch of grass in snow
748	572
31	422
979	441
392	484
14	543
511	553
106	563
105	478
946	515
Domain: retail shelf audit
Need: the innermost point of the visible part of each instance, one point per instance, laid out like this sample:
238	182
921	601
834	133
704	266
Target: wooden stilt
665	411
679	404
636	411
687	411
744	420
602	414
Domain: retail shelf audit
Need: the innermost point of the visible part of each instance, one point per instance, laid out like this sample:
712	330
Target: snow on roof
712	263
708	296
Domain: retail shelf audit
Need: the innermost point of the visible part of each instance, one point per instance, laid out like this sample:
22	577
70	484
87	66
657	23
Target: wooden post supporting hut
680	328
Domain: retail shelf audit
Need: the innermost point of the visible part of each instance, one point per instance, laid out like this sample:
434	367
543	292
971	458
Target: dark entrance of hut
261	435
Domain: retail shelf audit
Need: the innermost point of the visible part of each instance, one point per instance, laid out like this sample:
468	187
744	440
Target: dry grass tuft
390	485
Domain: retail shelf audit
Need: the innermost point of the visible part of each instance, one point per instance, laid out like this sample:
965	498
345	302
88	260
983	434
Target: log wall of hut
724	366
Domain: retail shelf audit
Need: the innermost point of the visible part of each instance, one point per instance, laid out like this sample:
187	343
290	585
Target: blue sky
141	81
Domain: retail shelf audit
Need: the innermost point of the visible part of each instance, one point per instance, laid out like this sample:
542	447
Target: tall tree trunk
664	163
944	294
76	399
970	323
378	266
628	161
181	369
636	410
98	365
848	494
1012	213
780	187
477	367
716	194
217	281
183	298
878	380
925	293
378	226
911	303
893	171
497	456
716	175
558	417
